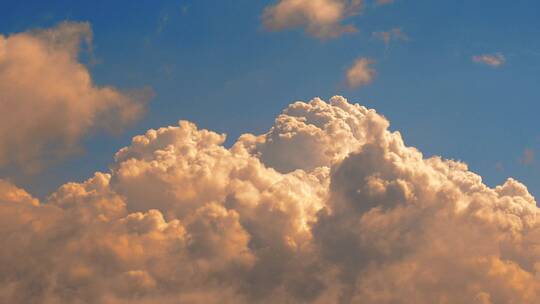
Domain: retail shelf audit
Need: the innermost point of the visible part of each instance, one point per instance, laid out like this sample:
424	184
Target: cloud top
329	206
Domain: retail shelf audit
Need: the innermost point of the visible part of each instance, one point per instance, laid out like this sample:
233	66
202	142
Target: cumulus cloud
304	134
493	60
48	98
319	18
360	73
289	216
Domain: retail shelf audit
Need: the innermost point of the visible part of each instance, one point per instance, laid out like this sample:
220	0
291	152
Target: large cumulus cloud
329	206
48	98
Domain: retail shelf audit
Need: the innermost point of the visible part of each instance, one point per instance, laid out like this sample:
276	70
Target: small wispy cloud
167	16
528	157
392	34
184	9
163	20
360	73
493	60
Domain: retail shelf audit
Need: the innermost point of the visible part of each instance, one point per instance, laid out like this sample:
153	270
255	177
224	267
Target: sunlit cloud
328	206
360	73
48	99
319	18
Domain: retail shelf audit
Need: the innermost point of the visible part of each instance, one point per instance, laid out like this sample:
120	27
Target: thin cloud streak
395	34
494	60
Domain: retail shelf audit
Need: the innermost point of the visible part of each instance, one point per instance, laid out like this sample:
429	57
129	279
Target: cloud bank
329	206
320	18
49	99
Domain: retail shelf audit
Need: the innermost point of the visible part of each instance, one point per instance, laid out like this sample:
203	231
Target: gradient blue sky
213	63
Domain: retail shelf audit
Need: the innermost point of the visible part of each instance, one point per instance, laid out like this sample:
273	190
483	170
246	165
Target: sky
376	151
214	63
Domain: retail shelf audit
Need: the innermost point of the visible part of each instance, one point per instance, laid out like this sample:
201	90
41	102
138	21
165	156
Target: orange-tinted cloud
48	98
319	18
360	73
364	218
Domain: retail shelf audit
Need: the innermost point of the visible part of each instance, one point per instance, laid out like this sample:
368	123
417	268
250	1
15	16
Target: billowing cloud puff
10	193
361	219
315	134
360	73
320	18
49	99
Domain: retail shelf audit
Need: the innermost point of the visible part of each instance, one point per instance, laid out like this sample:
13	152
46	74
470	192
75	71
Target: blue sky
212	62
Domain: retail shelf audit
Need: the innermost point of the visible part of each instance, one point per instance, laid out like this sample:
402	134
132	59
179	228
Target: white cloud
364	219
48	99
319	18
360	73
494	60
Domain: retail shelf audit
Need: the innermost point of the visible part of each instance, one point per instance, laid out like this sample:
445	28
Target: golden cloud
49	99
329	206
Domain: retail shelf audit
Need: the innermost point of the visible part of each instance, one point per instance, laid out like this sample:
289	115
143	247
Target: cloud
180	218
49	98
528	157
316	134
493	60
360	73
319	18
393	34
10	193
